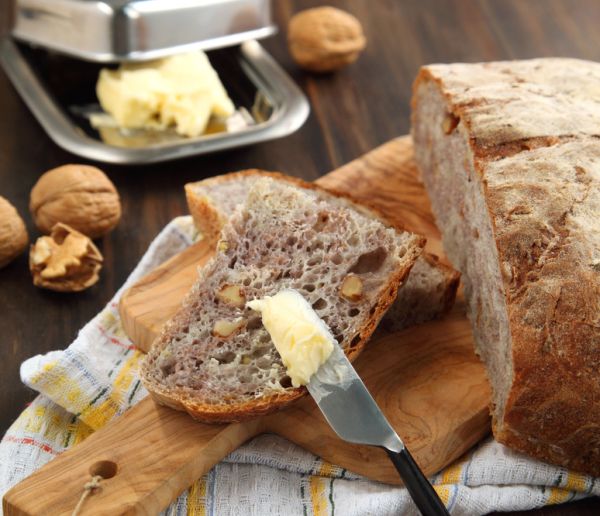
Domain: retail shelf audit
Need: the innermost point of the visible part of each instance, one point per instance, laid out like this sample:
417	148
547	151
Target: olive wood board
426	379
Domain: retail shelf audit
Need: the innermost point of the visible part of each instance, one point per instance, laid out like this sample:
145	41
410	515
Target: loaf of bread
215	359
510	156
428	292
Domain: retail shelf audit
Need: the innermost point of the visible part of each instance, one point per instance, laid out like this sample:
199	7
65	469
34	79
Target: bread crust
230	412
540	174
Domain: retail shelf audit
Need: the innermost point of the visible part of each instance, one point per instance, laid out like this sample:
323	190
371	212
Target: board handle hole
104	468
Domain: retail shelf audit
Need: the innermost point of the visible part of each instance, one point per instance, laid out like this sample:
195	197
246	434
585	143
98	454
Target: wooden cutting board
427	381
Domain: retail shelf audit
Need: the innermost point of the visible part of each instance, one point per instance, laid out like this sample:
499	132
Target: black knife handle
419	488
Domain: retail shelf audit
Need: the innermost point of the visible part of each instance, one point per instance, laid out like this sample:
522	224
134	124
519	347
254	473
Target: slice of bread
428	293
305	239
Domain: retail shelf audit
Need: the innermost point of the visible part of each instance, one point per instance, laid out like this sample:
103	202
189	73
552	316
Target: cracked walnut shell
65	261
77	195
325	39
13	234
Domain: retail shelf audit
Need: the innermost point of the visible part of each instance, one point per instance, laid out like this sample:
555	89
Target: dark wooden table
352	112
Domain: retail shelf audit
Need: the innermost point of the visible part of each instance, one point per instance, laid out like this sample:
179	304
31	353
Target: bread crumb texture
282	238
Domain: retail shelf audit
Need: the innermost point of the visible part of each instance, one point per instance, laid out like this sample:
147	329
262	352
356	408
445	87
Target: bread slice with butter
428	293
215	359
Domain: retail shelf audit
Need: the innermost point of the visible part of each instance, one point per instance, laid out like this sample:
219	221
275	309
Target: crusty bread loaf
510	156
428	292
282	237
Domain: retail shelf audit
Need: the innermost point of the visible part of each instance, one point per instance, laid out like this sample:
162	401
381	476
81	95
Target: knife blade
354	415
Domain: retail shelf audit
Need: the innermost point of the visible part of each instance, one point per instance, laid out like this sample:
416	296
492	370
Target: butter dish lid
138	30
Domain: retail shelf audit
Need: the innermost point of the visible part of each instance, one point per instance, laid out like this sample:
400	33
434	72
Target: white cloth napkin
95	379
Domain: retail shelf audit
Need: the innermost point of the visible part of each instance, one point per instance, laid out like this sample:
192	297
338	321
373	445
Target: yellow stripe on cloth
196	500
557	495
318	488
79	431
97	416
453	473
576	482
318	497
327	469
443	492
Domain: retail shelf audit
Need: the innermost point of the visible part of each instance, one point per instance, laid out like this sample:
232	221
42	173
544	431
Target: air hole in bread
337	258
233	262
225	358
167	368
355	341
260	351
369	262
353	312
319	304
254	323
321	222
264	363
285	382
309	287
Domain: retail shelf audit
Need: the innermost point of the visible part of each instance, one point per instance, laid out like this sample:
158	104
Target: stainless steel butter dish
58	48
121	30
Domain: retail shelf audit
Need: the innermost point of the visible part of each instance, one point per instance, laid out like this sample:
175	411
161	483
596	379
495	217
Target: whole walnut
325	39
77	195
13	234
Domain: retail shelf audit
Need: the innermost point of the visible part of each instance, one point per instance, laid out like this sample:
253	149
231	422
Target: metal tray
135	30
60	91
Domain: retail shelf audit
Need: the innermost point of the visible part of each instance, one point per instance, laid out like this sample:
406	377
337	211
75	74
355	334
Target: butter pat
181	91
302	339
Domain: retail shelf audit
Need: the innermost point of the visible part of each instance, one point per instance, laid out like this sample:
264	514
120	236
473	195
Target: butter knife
354	415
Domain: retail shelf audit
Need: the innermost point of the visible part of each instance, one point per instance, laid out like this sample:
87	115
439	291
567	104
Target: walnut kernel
352	288
232	295
225	328
65	261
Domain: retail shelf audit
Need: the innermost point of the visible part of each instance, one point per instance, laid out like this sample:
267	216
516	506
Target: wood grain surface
352	112
426	380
